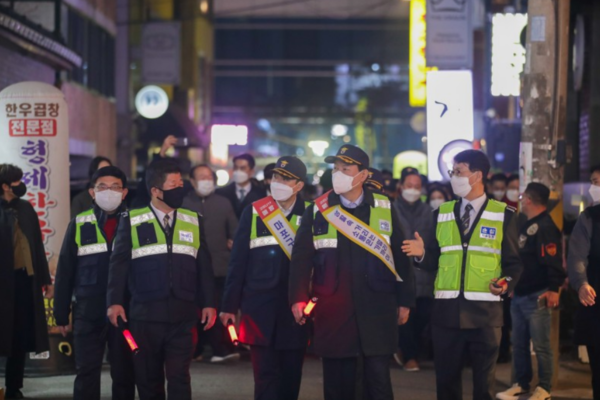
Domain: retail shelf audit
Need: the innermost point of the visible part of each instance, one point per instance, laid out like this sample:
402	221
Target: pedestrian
415	216
83	201
536	295
257	284
162	258
512	191
375	181
343	256
584	276
436	196
220	220
24	277
475	245
499	184
243	191
83	272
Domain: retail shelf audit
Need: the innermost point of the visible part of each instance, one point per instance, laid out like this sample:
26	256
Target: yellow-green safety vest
94	248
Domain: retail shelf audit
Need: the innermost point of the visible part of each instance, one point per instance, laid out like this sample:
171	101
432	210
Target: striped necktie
167	225
465	220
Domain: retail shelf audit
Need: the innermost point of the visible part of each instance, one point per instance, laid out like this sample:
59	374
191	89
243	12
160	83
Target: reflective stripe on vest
483	253
95	248
262	241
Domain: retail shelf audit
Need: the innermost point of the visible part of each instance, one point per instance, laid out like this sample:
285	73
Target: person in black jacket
83	271
243	191
161	256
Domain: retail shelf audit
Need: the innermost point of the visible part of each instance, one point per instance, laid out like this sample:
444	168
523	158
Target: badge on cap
487	233
343	150
532	230
283	163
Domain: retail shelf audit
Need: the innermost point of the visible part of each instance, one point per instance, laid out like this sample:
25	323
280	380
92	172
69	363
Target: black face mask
19	190
174	197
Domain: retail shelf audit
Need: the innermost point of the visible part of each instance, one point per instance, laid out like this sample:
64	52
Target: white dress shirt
161	216
246	190
352	204
476	204
289	210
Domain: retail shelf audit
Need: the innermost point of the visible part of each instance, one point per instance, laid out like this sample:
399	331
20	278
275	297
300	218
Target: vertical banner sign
161	53
449	34
417	79
525	165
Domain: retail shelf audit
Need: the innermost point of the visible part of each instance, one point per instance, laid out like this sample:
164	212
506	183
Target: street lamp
318	147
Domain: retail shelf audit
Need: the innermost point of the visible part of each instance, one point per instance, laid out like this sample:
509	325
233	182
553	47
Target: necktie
166	225
466	218
242	194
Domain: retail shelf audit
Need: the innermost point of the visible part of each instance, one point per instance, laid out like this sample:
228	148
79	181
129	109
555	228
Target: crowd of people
398	269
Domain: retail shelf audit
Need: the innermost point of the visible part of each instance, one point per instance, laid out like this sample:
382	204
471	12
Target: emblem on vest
522	241
487	233
186	236
384	225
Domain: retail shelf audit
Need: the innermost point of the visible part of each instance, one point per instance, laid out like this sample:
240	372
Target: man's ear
301	184
92	193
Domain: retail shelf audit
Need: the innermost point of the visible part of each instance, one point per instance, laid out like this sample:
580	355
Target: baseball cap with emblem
407	172
375	179
350	154
291	167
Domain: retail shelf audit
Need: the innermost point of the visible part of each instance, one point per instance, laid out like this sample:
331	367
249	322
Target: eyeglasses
456	172
114	188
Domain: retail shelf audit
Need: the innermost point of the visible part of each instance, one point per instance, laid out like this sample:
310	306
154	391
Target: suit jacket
467	314
229	191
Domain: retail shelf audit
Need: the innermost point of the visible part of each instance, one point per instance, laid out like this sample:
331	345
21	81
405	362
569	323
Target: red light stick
232	333
128	336
309	307
500	283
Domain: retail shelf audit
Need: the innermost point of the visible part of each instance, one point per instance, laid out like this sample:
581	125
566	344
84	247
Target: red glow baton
232	333
500	283
128	336
309	307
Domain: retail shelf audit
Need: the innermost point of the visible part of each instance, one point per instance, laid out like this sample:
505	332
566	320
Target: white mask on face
342	183
205	187
499	194
411	195
595	193
460	185
240	177
108	200
281	192
435	204
512	195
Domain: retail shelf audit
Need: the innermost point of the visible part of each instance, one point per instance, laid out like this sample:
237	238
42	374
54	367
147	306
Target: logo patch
551	249
532	230
186	236
299	220
384	225
487	233
522	241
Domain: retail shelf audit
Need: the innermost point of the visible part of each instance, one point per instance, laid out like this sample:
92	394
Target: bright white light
508	55
375	67
339	130
318	147
151	102
222	177
229	135
320	172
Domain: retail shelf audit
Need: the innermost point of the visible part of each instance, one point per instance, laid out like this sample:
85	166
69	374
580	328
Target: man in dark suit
475	245
243	191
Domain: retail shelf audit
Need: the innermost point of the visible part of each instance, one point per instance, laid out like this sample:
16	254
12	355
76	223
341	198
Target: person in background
512	192
391	189
221	223
309	192
375	181
415	216
536	295
24	277
326	181
83	201
583	266
499	183
268	173
242	191
436	196
83	271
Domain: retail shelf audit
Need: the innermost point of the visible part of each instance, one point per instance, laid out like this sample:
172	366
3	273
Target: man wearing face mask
475	245
161	256
257	284
415	216
499	183
83	271
512	192
243	191
24	277
343	255
221	222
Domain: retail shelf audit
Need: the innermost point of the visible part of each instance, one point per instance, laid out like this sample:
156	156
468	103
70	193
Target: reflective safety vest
480	258
93	256
264	238
158	264
86	246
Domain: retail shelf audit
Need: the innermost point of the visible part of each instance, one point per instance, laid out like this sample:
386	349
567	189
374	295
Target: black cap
350	154
408	171
268	171
291	167
375	179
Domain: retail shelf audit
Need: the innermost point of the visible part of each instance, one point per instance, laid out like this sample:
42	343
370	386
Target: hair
595	168
157	172
193	171
268	171
247	157
538	193
8	174
476	160
386	172
95	163
416	173
499	178
437	188
513	177
109	171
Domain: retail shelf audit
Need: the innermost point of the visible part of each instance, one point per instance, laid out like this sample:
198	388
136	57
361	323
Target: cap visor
285	173
344	159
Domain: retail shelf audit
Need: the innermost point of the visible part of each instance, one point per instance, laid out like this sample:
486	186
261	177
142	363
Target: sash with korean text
276	222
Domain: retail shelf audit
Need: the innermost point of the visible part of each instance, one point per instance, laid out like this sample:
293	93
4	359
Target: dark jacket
357	313
220	223
171	309
467	314
229	191
37	338
257	283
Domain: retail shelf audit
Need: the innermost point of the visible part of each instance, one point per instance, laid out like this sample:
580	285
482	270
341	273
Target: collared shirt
352	204
246	190
476	204
289	210
161	216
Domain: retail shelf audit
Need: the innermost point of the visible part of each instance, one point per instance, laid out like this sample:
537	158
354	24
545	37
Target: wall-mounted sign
161	53
151	102
449	34
508	54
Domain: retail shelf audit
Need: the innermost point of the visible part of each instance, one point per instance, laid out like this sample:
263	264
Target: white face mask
512	195
435	204
281	192
499	194
460	185
342	183
108	200
595	193
205	187
240	177
411	195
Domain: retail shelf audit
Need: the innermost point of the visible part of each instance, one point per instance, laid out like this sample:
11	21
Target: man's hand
169	142
497	291
64	330
414	248
114	312
230	244
587	295
552	299
403	314
298	311
209	316
226	317
48	291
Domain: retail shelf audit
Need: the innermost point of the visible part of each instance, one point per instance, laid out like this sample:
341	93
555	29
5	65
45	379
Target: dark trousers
412	334
22	327
594	355
450	346
90	339
217	337
277	373
505	342
166	349
339	378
